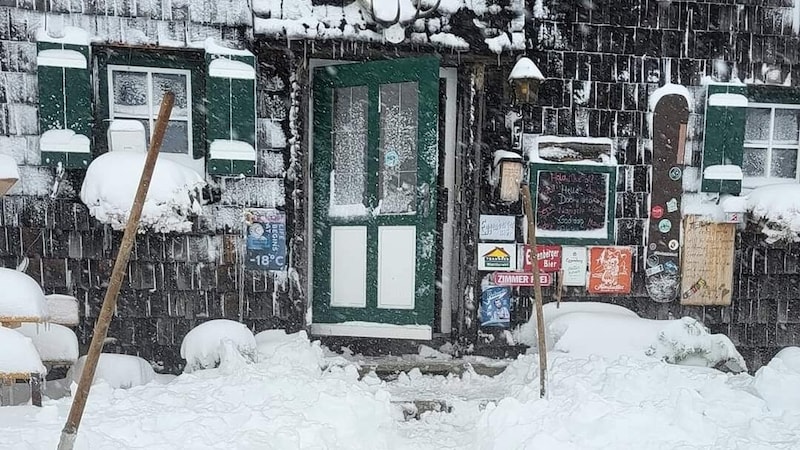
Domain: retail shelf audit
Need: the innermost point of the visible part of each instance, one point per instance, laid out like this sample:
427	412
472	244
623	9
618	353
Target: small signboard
548	256
521	279
573	262
610	270
497	228
265	241
734	217
497	256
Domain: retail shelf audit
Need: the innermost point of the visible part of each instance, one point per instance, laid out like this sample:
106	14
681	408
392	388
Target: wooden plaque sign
707	266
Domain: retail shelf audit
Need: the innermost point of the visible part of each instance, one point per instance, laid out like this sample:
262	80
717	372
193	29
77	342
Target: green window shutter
231	114
724	139
65	104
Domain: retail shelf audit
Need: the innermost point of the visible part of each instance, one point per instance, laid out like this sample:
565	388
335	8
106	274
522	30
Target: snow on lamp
525	78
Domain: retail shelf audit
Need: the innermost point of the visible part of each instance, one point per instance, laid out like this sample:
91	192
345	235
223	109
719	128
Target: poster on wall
610	270
573	264
265	239
495	310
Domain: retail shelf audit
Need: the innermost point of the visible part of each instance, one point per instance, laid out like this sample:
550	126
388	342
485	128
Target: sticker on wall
610	270
664	225
497	228
672	205
652	260
573	266
265	242
675	173
497	256
673	244
391	159
657	212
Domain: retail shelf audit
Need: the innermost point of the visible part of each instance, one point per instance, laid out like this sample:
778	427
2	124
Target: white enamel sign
497	228
573	264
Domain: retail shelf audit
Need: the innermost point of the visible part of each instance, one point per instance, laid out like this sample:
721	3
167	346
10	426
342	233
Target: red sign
657	212
549	257
610	270
521	279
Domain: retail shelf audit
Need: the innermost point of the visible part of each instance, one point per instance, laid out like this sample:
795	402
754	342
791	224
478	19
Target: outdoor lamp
525	78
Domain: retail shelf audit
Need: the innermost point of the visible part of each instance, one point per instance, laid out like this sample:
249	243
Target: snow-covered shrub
777	209
590	328
294	350
778	383
207	344
118	371
113	178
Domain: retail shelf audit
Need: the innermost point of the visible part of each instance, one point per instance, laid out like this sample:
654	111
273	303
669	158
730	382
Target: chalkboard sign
574	203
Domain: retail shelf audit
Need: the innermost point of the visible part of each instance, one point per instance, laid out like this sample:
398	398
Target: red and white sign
549	257
521	279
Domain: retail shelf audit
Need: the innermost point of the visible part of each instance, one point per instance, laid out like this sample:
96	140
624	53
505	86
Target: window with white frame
771	141
136	93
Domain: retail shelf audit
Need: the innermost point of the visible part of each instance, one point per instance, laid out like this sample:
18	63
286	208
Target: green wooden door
374	167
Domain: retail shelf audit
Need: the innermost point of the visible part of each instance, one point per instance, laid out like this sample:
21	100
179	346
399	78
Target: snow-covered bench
19	361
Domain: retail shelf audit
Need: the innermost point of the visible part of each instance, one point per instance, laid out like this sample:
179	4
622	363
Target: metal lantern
525	77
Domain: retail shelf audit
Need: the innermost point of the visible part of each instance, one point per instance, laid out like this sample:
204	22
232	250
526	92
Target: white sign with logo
497	256
573	264
497	228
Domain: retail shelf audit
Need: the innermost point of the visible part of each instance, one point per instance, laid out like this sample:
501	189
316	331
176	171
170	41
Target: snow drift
209	343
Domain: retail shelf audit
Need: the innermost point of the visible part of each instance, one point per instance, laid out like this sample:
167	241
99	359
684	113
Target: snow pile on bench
778	383
55	343
62	309
210	343
118	371
589	328
18	356
21	298
113	178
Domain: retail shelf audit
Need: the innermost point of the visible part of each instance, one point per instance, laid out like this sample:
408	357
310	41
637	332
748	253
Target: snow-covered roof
495	28
18	356
21	298
113	178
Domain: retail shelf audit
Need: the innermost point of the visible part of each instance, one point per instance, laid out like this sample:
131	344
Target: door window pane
785	131
757	126
163	82
784	163
176	137
754	162
397	149
349	136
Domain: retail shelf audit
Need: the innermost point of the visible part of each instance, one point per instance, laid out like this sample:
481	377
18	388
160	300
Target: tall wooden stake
70	431
537	288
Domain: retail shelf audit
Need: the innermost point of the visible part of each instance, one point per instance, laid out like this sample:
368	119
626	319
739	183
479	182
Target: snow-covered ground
298	395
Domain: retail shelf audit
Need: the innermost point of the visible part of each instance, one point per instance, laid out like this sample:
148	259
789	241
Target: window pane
177	83
785	126
176	137
349	136
130	94
754	162
397	182
757	126
784	163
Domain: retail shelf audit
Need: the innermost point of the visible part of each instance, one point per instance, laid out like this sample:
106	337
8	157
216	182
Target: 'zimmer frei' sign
549	257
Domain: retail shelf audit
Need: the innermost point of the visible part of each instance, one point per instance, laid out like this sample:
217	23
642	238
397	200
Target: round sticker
657	212
652	246
652	261
664	226
673	244
391	158
675	173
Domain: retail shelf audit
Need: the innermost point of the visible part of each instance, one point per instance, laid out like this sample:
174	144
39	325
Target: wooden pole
537	288
560	288
70	431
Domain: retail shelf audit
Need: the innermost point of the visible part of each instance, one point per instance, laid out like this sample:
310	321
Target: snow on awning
67	35
21	299
723	172
227	68
61	58
113	178
729	100
229	149
64	141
